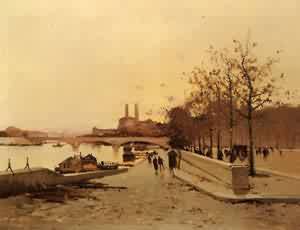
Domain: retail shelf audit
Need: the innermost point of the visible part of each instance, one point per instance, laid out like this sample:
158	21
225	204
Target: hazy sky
74	64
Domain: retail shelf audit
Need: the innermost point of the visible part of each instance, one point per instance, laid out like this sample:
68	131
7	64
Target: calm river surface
49	156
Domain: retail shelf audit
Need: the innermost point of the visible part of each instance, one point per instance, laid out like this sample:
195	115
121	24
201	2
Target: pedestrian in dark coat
161	163
149	158
172	155
155	164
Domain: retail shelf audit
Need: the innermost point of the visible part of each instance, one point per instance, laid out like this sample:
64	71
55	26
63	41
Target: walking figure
149	158
161	163
155	164
172	155
220	155
27	164
9	167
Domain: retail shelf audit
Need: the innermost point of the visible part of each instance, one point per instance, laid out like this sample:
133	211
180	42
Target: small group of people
174	159
156	160
266	151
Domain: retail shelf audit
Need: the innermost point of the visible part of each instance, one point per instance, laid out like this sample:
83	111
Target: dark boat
78	164
140	147
128	155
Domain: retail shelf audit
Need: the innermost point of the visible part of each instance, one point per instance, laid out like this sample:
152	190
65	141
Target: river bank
141	199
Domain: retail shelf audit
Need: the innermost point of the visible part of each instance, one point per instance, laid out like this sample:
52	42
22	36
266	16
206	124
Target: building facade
132	126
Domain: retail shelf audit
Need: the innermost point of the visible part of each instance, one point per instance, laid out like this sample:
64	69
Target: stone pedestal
240	178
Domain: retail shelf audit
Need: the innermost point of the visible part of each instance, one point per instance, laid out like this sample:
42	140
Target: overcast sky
74	64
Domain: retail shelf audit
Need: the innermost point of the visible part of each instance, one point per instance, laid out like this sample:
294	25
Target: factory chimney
136	112
126	110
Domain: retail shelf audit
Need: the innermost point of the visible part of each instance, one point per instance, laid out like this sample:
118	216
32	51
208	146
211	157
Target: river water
49	156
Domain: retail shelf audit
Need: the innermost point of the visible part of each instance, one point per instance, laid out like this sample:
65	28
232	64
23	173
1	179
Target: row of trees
228	92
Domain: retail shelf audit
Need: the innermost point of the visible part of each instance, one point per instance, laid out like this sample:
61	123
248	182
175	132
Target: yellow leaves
242	69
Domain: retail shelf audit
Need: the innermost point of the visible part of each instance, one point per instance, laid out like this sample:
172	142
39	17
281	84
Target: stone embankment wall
35	179
216	171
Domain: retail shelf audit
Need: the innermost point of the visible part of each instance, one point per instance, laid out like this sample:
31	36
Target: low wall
40	178
214	170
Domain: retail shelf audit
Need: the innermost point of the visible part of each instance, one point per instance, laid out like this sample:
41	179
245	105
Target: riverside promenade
150	201
216	179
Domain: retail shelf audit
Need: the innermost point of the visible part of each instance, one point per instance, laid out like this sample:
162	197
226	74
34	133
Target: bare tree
229	84
206	98
256	86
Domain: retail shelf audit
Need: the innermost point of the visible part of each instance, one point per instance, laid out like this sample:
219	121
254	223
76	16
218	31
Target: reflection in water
115	148
49	157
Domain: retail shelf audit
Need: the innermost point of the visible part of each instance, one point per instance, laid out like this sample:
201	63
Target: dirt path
150	202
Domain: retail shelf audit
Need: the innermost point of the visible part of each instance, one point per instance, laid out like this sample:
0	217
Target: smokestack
136	112
126	110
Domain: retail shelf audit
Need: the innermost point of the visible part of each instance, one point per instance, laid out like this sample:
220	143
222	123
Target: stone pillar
240	179
136	112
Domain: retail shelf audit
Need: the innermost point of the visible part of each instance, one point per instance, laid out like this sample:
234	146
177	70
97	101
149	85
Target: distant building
136	112
35	134
105	132
16	132
3	134
55	135
132	126
126	110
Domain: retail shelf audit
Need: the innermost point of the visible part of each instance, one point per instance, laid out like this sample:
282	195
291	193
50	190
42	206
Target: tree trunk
211	141
231	117
251	156
193	146
203	144
251	146
199	143
219	120
219	140
231	138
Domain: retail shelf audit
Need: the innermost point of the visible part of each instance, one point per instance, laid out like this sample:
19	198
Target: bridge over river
115	142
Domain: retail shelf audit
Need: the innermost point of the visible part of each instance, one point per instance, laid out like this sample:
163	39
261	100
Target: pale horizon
73	67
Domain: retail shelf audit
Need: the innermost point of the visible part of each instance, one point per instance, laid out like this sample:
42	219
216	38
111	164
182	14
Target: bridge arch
163	142
142	142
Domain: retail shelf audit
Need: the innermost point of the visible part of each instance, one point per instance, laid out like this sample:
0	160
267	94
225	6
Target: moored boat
140	147
58	145
128	155
76	164
107	165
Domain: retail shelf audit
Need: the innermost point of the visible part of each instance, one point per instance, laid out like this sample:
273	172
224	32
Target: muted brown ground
150	202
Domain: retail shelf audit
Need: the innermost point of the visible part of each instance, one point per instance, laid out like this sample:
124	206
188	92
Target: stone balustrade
226	174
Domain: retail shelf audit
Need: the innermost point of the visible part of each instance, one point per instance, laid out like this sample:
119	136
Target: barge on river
128	155
76	164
